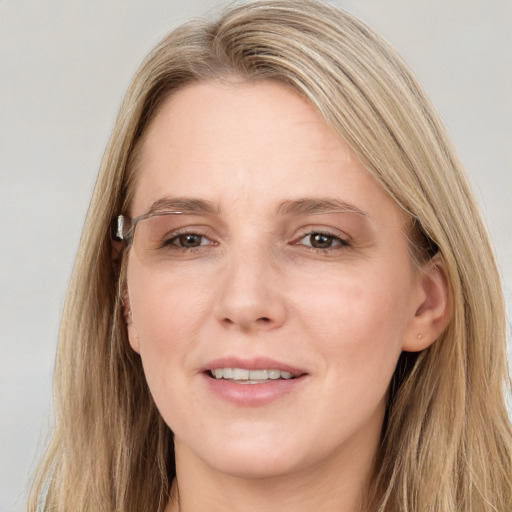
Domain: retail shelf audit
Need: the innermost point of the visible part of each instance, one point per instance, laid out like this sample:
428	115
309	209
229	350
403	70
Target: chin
256	466
254	455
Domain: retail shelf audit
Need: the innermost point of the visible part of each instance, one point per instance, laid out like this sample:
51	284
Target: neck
329	486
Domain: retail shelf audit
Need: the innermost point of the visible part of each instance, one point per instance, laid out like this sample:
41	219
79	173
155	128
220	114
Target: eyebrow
314	206
304	206
191	206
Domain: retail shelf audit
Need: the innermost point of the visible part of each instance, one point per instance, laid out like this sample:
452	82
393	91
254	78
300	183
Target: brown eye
189	240
323	241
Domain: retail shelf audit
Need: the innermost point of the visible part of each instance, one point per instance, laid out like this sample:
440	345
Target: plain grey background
64	66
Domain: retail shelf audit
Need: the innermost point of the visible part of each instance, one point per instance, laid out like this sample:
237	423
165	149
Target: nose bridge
250	296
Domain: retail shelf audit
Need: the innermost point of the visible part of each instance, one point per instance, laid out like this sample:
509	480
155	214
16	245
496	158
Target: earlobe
133	337
433	308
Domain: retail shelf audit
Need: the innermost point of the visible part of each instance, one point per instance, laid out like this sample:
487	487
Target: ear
116	255
133	337
117	249
433	306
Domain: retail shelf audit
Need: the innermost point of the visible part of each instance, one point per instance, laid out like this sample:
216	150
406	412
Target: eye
189	240
319	240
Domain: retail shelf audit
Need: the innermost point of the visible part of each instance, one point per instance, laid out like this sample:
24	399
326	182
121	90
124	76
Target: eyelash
338	242
169	242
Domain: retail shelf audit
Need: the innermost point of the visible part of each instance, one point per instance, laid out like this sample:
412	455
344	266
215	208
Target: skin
341	313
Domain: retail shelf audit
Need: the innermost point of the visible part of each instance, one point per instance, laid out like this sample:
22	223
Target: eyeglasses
158	235
164	235
124	227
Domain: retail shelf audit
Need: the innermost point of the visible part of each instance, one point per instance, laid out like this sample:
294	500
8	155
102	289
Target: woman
278	301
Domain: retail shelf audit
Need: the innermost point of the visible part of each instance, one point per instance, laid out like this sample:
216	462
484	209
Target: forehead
251	144
254	120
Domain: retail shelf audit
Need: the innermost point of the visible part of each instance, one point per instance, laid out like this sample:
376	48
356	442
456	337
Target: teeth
274	374
253	375
239	374
258	374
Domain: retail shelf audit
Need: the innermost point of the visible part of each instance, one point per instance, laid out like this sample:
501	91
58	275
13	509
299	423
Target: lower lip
252	395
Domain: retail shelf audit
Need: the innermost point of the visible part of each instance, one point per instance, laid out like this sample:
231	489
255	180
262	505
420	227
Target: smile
253	382
245	376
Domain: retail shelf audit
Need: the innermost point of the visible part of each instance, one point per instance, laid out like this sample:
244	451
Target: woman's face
287	258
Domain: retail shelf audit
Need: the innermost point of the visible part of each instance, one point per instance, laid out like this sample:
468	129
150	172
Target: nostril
263	319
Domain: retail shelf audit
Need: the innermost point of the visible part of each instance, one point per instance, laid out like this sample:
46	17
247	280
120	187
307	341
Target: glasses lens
161	237
153	237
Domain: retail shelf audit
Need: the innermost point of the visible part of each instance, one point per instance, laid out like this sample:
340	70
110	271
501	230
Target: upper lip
253	363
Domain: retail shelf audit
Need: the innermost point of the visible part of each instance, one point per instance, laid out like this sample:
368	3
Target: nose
251	297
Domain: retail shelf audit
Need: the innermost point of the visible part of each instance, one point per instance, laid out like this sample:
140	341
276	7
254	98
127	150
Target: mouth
252	382
246	376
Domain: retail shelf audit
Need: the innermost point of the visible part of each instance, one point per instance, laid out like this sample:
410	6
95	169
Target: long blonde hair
446	441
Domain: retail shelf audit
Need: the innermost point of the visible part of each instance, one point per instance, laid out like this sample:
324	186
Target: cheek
165	310
168	314
360	349
353	304
359	321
